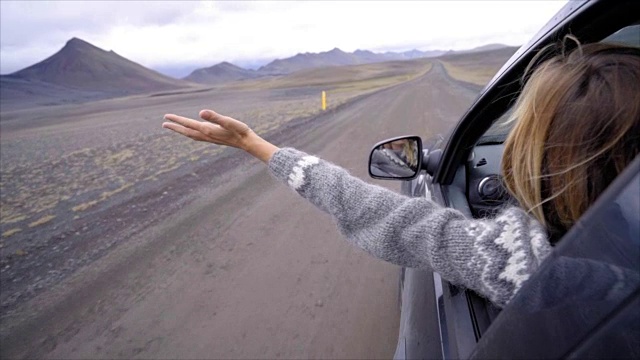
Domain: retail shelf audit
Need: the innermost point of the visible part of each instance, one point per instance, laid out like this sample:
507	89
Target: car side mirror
398	158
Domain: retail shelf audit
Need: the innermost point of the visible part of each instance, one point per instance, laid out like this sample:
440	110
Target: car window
497	133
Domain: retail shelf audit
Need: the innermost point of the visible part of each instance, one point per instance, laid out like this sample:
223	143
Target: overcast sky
177	37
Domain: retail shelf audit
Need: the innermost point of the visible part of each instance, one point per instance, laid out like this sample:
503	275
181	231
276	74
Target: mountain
488	47
220	73
414	54
225	71
337	57
82	66
80	72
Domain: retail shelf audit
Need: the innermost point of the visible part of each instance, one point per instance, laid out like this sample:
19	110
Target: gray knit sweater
493	257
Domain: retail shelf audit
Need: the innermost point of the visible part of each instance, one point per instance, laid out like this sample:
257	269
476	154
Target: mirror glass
397	158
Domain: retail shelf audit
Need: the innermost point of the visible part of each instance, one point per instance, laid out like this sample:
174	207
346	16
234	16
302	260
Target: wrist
258	147
249	141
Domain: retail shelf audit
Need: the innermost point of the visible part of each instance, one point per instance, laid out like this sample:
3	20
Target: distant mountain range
83	72
337	57
226	72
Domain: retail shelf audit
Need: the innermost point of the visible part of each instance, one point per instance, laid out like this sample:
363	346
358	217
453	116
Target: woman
577	127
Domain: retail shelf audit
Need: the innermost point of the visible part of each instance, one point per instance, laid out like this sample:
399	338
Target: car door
584	301
467	325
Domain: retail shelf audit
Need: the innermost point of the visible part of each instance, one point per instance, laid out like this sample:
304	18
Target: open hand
217	129
221	130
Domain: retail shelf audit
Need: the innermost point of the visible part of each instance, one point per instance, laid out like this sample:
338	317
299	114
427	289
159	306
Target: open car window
497	133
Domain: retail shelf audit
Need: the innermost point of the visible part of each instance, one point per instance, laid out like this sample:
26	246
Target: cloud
170	34
33	30
33	21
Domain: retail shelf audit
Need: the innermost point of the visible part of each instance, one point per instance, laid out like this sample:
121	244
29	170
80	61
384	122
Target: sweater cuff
289	166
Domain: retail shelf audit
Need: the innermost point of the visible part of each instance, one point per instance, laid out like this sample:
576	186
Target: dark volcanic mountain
80	72
220	73
82	66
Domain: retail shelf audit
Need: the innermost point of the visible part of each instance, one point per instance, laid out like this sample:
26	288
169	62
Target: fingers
185	122
190	133
214	117
226	122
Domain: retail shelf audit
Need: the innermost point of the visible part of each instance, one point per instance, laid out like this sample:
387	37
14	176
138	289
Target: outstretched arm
493	257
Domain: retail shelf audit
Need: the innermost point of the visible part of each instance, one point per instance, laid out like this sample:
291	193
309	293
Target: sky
178	37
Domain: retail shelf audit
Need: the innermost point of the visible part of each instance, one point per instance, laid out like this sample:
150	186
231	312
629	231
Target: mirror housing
431	160
398	158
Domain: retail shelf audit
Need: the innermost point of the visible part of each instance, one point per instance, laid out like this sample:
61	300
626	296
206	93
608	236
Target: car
571	307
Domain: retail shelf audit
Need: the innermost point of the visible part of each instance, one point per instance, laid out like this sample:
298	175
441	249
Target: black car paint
467	326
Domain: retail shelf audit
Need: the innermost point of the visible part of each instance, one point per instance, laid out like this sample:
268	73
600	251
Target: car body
573	306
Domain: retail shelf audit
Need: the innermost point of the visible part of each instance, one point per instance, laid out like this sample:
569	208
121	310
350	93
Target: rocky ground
72	177
181	249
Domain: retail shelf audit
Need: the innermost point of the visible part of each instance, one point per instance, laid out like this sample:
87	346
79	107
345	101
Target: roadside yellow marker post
324	101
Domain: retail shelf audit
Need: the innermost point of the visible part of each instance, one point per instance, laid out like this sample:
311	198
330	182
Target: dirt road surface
248	269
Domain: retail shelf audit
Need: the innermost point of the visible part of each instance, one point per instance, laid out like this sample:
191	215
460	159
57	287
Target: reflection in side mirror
398	158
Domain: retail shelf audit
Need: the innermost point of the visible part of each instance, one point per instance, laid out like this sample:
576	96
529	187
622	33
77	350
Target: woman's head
577	127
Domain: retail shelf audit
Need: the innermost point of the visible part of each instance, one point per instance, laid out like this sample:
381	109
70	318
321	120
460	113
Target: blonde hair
410	149
577	127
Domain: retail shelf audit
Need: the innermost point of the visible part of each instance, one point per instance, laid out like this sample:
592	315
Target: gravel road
239	266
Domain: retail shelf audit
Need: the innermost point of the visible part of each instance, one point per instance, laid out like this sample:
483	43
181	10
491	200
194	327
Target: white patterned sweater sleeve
493	257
